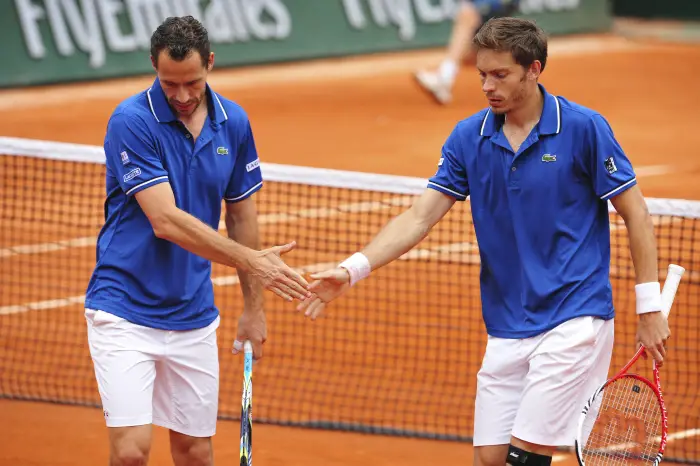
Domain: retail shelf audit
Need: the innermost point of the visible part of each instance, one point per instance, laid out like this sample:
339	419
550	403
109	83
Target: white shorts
153	376
534	388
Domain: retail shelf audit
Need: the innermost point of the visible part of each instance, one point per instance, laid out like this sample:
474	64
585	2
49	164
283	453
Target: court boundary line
404	200
303	71
273	218
468	251
233	279
680	435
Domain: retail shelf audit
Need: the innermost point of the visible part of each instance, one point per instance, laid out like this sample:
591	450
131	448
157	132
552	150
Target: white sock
448	71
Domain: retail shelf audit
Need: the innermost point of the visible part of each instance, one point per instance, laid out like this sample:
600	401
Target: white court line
674	436
444	252
284	217
312	71
48	247
622	446
437	252
654	170
683	434
263	219
42	305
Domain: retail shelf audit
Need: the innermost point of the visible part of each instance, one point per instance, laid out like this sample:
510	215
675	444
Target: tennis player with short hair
539	170
174	153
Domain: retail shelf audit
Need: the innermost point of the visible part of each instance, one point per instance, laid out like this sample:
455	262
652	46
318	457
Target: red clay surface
361	114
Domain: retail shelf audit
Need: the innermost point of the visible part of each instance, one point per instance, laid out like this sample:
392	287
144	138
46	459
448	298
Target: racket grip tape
668	294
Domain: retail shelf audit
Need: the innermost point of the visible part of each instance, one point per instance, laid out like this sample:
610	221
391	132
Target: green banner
50	41
688	10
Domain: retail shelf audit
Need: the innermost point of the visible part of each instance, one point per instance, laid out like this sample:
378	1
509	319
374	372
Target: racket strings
624	425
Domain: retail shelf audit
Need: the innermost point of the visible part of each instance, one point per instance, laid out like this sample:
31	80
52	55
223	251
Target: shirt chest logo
221	150
549	158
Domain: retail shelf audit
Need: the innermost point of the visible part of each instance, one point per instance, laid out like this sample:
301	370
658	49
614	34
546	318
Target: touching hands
276	276
328	285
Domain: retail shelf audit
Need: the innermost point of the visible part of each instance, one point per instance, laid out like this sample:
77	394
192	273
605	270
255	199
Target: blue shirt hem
619	190
245	195
444	190
147	184
533	332
157	324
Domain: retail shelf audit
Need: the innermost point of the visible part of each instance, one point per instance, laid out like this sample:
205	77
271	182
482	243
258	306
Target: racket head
246	446
623	423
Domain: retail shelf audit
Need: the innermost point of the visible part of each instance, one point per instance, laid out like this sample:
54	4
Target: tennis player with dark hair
539	171
175	152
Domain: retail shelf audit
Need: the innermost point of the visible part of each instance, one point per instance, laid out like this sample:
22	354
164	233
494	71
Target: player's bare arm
652	329
399	236
175	225
408	229
242	227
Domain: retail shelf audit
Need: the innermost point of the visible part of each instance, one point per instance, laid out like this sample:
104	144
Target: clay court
356	366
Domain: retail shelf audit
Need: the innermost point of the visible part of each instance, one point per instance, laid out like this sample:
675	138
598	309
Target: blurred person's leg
471	16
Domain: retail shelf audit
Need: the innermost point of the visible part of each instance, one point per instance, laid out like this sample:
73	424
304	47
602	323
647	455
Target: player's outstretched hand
327	286
276	276
652	332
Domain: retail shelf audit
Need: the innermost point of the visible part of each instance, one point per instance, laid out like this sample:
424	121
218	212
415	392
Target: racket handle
246	448
668	294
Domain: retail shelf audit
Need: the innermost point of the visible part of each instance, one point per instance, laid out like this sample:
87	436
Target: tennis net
398	355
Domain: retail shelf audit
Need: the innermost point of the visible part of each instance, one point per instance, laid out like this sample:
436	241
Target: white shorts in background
534	388
153	376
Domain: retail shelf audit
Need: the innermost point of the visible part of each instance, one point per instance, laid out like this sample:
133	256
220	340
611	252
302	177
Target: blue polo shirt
540	214
139	277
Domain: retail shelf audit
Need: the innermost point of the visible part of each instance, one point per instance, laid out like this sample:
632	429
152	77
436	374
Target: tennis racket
625	421
247	407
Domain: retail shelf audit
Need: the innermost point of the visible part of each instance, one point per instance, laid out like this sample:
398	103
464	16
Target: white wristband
358	267
648	297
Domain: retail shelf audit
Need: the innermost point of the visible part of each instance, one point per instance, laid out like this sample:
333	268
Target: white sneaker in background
433	83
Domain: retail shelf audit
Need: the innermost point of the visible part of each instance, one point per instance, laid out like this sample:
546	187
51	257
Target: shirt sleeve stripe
158	178
624	185
460	195
234	199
